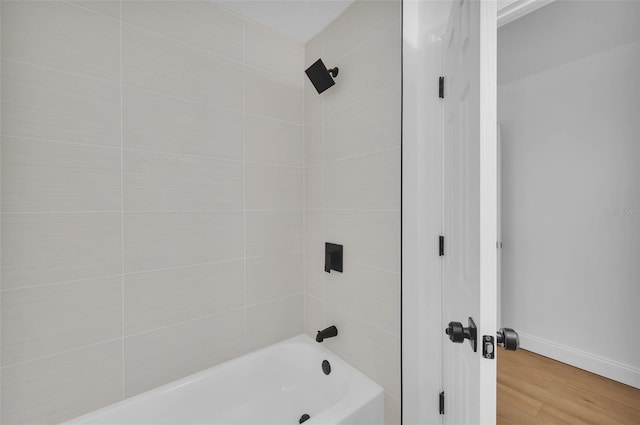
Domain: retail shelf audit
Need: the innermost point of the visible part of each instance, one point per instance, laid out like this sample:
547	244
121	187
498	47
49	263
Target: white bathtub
275	385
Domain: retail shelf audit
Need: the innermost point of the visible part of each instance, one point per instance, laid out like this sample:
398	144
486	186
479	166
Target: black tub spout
330	332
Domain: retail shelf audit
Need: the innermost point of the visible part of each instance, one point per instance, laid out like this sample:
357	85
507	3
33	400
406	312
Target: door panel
469	208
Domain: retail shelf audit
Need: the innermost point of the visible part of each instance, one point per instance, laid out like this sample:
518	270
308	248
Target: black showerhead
320	76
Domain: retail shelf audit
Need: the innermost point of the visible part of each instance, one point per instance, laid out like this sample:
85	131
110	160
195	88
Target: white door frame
423	22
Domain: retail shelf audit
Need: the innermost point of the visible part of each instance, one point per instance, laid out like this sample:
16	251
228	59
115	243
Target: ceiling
298	19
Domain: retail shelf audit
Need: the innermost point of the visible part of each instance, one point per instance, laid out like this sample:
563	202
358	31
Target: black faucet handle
327	263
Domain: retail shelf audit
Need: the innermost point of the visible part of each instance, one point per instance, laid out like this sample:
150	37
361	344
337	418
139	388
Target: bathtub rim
361	390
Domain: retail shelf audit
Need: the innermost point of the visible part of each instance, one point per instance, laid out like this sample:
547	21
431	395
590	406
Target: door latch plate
488	347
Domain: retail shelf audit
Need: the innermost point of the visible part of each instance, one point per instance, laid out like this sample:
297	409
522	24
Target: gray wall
569	103
152	190
352	192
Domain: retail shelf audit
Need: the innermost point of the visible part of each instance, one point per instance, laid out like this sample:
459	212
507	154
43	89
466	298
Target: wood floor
533	389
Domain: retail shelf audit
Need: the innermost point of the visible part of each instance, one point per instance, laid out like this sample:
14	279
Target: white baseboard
608	368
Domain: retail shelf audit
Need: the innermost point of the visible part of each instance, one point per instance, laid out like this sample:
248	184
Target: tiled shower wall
352	192
152	195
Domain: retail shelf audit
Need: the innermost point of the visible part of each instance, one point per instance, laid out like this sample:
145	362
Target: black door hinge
442	403
441	87
441	245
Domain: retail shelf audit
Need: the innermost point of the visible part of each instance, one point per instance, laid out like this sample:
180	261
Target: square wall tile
50	176
155	181
50	247
167	297
164	355
153	62
58	35
272	96
57	388
199	23
274	142
45	320
274	52
274	276
370	125
273	187
269	232
369	294
44	104
364	182
154	241
274	321
155	122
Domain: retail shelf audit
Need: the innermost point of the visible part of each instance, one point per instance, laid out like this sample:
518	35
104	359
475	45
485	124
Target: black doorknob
458	333
455	332
508	339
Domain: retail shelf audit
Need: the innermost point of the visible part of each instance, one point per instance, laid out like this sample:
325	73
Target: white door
469	209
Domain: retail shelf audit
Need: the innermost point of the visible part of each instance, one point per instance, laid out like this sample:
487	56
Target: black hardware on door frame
458	334
507	338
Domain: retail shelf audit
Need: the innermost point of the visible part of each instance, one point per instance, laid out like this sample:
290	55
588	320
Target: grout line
112	276
61	212
153	152
208	107
322	193
305	307
148	331
276	299
182	322
378	269
244	190
129	212
1	225
93	11
232	210
60	353
373	210
370	153
122	266
62	282
241	62
65	142
208	316
186	266
363	99
251	114
59	71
